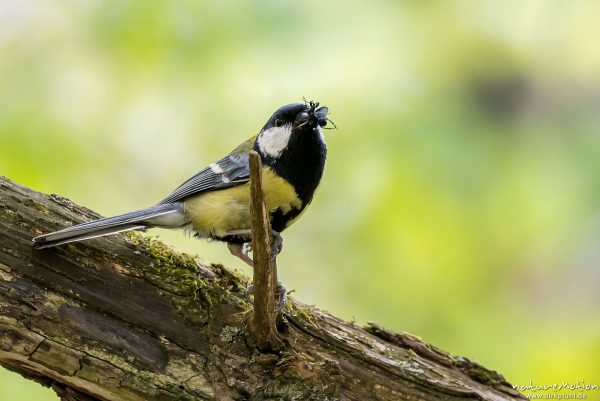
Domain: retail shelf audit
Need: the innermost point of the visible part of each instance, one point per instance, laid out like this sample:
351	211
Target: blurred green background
461	199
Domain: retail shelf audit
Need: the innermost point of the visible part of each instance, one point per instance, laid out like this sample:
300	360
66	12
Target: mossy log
128	318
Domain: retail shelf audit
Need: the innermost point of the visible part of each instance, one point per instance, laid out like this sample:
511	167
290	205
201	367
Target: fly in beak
321	116
312	116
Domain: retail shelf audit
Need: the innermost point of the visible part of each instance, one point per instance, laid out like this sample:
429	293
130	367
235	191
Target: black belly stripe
280	220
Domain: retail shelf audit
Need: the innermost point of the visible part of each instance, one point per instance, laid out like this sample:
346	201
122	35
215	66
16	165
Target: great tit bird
215	203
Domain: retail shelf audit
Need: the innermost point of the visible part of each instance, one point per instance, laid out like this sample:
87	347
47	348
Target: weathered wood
263	319
128	318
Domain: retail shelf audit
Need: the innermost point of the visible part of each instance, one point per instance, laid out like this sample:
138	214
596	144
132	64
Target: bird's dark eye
278	122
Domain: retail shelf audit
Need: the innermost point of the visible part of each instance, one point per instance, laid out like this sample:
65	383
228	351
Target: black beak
302	119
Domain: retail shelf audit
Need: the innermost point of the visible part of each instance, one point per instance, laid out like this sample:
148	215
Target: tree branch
127	318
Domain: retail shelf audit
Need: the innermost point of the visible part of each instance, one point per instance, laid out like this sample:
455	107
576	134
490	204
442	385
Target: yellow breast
215	212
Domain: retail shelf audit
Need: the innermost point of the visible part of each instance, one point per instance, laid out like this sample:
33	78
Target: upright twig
263	320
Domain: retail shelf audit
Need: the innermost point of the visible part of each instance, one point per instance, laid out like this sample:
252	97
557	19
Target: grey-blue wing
229	171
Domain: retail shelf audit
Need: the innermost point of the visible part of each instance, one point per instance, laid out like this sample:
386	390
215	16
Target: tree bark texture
128	318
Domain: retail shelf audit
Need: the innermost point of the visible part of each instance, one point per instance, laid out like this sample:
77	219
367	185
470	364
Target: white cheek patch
274	140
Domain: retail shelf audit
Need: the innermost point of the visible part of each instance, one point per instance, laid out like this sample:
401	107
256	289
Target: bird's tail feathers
169	215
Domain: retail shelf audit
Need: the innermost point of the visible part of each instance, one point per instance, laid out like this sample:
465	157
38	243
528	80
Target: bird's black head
289	122
292	145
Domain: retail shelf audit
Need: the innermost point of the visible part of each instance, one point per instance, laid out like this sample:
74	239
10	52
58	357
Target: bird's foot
238	251
247	249
243	251
280	294
277	245
248	293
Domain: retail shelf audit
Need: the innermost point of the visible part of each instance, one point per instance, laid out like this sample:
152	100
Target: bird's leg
238	250
276	246
242	250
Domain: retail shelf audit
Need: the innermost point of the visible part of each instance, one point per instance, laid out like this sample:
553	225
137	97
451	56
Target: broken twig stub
263	320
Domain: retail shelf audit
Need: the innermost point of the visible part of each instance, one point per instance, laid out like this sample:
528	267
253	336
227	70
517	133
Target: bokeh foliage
462	193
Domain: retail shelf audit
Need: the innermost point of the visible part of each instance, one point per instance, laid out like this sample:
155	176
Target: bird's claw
280	295
248	293
246	249
276	247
